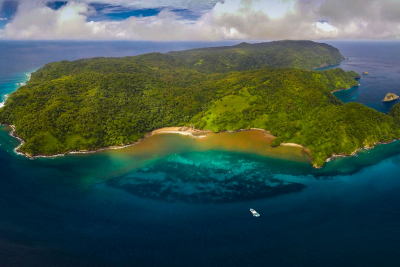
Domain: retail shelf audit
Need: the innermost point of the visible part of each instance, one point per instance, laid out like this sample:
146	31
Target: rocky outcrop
390	97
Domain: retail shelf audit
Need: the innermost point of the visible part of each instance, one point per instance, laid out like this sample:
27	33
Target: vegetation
244	56
354	74
93	103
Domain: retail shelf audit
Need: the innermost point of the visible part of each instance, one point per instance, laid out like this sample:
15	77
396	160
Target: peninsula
90	104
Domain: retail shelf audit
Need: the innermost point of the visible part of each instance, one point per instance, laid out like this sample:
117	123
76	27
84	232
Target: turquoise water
11	84
168	203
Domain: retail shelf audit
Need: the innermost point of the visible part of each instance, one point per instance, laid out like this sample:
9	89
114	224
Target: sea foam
4	98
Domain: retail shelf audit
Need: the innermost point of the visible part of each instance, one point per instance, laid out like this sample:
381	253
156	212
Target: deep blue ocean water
191	208
381	60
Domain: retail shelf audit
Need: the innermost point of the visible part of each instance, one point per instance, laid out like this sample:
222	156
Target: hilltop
278	54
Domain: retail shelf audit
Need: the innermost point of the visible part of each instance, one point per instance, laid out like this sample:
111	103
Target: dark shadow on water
219	192
221	177
196	178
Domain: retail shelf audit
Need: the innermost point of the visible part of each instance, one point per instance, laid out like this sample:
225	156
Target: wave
29	75
4	98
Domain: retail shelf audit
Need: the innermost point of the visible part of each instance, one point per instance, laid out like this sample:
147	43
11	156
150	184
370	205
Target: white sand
292	144
183	131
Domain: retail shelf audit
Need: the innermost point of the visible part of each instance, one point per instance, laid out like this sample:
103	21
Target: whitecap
4	98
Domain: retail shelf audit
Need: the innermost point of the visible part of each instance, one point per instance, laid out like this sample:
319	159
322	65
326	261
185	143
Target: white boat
255	213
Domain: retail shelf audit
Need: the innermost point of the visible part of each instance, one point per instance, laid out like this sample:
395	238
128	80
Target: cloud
69	22
197	7
273	8
45	23
229	19
326	27
3	19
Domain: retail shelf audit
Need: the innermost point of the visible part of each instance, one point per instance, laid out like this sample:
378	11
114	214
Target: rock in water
390	97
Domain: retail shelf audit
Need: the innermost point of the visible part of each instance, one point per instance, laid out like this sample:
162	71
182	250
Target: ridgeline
100	102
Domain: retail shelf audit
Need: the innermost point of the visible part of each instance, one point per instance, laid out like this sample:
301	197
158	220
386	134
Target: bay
179	201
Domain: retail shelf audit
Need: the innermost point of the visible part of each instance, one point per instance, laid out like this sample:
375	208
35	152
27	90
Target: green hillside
244	56
93	103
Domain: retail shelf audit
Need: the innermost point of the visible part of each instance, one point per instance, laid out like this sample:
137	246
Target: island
390	97
91	104
365	73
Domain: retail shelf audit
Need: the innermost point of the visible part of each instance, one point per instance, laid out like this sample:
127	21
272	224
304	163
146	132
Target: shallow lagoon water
174	200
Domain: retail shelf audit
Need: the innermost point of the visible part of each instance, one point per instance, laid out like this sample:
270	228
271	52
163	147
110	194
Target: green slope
100	102
244	56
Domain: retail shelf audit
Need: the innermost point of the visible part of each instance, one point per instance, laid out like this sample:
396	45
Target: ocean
173	200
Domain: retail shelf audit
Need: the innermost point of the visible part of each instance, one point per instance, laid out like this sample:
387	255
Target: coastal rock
390	97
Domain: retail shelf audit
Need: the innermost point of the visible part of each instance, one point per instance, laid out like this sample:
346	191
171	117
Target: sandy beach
292	144
188	131
184	131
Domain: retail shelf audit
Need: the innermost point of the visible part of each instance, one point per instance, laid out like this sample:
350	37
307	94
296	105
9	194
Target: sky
199	20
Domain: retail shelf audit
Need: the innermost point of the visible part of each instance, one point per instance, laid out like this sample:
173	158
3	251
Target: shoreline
343	155
306	149
196	133
344	89
189	131
4	99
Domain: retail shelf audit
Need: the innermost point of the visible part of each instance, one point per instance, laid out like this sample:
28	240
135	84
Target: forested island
94	103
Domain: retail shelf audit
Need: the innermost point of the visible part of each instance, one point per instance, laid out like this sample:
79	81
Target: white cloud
273	8
45	23
326	27
69	22
238	19
3	19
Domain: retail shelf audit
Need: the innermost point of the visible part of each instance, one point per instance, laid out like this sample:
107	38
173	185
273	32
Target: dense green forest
100	102
244	56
